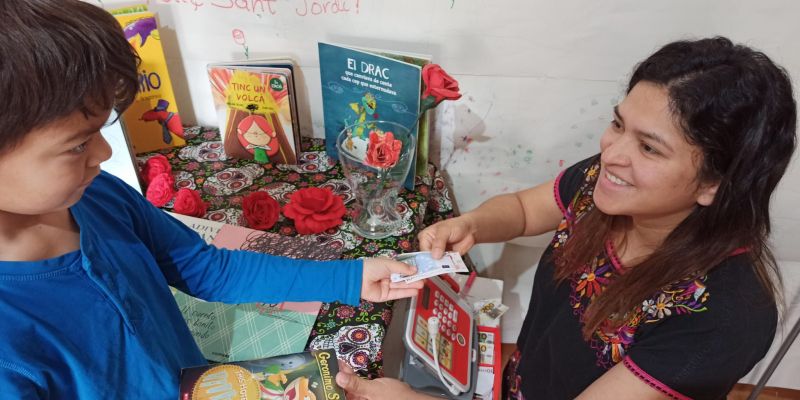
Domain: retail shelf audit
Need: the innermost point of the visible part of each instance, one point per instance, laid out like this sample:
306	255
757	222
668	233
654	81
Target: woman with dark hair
659	282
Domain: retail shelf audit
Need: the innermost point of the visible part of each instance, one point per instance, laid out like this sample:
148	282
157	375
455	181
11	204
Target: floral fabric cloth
356	332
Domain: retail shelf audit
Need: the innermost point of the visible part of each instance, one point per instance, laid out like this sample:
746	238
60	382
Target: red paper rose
188	202
383	150
161	189
154	166
314	210
439	84
260	210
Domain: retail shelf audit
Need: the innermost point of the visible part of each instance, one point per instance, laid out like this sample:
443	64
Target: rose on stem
438	86
383	153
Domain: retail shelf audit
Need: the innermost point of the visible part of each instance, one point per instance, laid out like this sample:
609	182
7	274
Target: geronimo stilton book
363	85
301	376
152	121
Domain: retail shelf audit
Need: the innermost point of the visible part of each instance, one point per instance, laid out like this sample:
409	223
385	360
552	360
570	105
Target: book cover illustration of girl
256	116
258	138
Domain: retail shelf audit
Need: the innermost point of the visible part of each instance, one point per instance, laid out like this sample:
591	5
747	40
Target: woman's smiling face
648	168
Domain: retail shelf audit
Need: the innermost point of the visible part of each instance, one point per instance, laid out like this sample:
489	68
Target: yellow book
152	121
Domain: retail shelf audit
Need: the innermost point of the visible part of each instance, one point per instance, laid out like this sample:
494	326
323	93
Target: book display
152	121
361	85
235	332
257	109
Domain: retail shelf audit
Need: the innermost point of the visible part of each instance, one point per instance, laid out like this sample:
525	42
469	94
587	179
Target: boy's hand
376	284
455	233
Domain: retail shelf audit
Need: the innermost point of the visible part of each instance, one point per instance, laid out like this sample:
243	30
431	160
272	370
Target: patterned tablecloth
356	332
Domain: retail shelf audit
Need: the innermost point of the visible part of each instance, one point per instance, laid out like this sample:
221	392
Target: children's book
362	85
424	126
206	228
234	332
256	108
307	375
152	121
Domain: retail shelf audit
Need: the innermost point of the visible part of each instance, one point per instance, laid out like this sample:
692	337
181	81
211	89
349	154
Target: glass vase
375	188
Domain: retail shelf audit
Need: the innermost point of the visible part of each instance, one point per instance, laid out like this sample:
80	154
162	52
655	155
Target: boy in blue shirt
85	261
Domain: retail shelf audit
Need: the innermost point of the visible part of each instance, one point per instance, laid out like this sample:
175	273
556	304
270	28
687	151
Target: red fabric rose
261	211
383	150
161	189
154	166
188	202
439	84
314	210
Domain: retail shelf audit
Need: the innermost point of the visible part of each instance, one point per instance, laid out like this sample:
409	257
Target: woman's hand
382	388
376	284
457	234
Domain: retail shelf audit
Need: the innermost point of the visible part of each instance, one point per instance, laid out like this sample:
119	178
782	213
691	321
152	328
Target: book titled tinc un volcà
308	375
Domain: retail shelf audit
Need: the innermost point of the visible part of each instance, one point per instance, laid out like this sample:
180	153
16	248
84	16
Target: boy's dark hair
56	57
737	107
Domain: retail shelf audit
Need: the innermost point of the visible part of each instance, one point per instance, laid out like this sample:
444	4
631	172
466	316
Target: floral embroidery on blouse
610	343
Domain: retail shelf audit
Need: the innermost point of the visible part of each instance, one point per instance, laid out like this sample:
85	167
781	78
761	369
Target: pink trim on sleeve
740	250
653	382
612	253
557	193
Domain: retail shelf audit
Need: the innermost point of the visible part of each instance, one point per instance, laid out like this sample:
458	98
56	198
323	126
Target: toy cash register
440	330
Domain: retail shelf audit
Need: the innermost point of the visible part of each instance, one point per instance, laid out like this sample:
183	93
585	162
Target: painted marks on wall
239	38
318	7
590	117
261	8
485	161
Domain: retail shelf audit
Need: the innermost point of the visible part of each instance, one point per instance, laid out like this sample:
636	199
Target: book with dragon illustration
235	332
308	375
363	85
152	121
257	109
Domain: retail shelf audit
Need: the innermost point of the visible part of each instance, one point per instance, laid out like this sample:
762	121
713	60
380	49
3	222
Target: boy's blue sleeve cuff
354	275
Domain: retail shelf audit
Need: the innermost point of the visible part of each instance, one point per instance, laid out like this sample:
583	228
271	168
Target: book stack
362	85
236	332
152	121
256	106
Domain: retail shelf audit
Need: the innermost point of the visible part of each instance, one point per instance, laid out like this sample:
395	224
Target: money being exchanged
427	266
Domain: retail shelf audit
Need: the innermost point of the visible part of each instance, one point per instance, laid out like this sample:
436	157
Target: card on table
428	267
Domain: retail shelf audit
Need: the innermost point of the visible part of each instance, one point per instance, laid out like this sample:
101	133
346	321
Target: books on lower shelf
235	332
301	376
362	85
256	108
152	120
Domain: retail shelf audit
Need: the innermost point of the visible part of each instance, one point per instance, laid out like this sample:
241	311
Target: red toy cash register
439	331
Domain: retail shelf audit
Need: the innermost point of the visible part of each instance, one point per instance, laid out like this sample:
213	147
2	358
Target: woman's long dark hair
736	105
